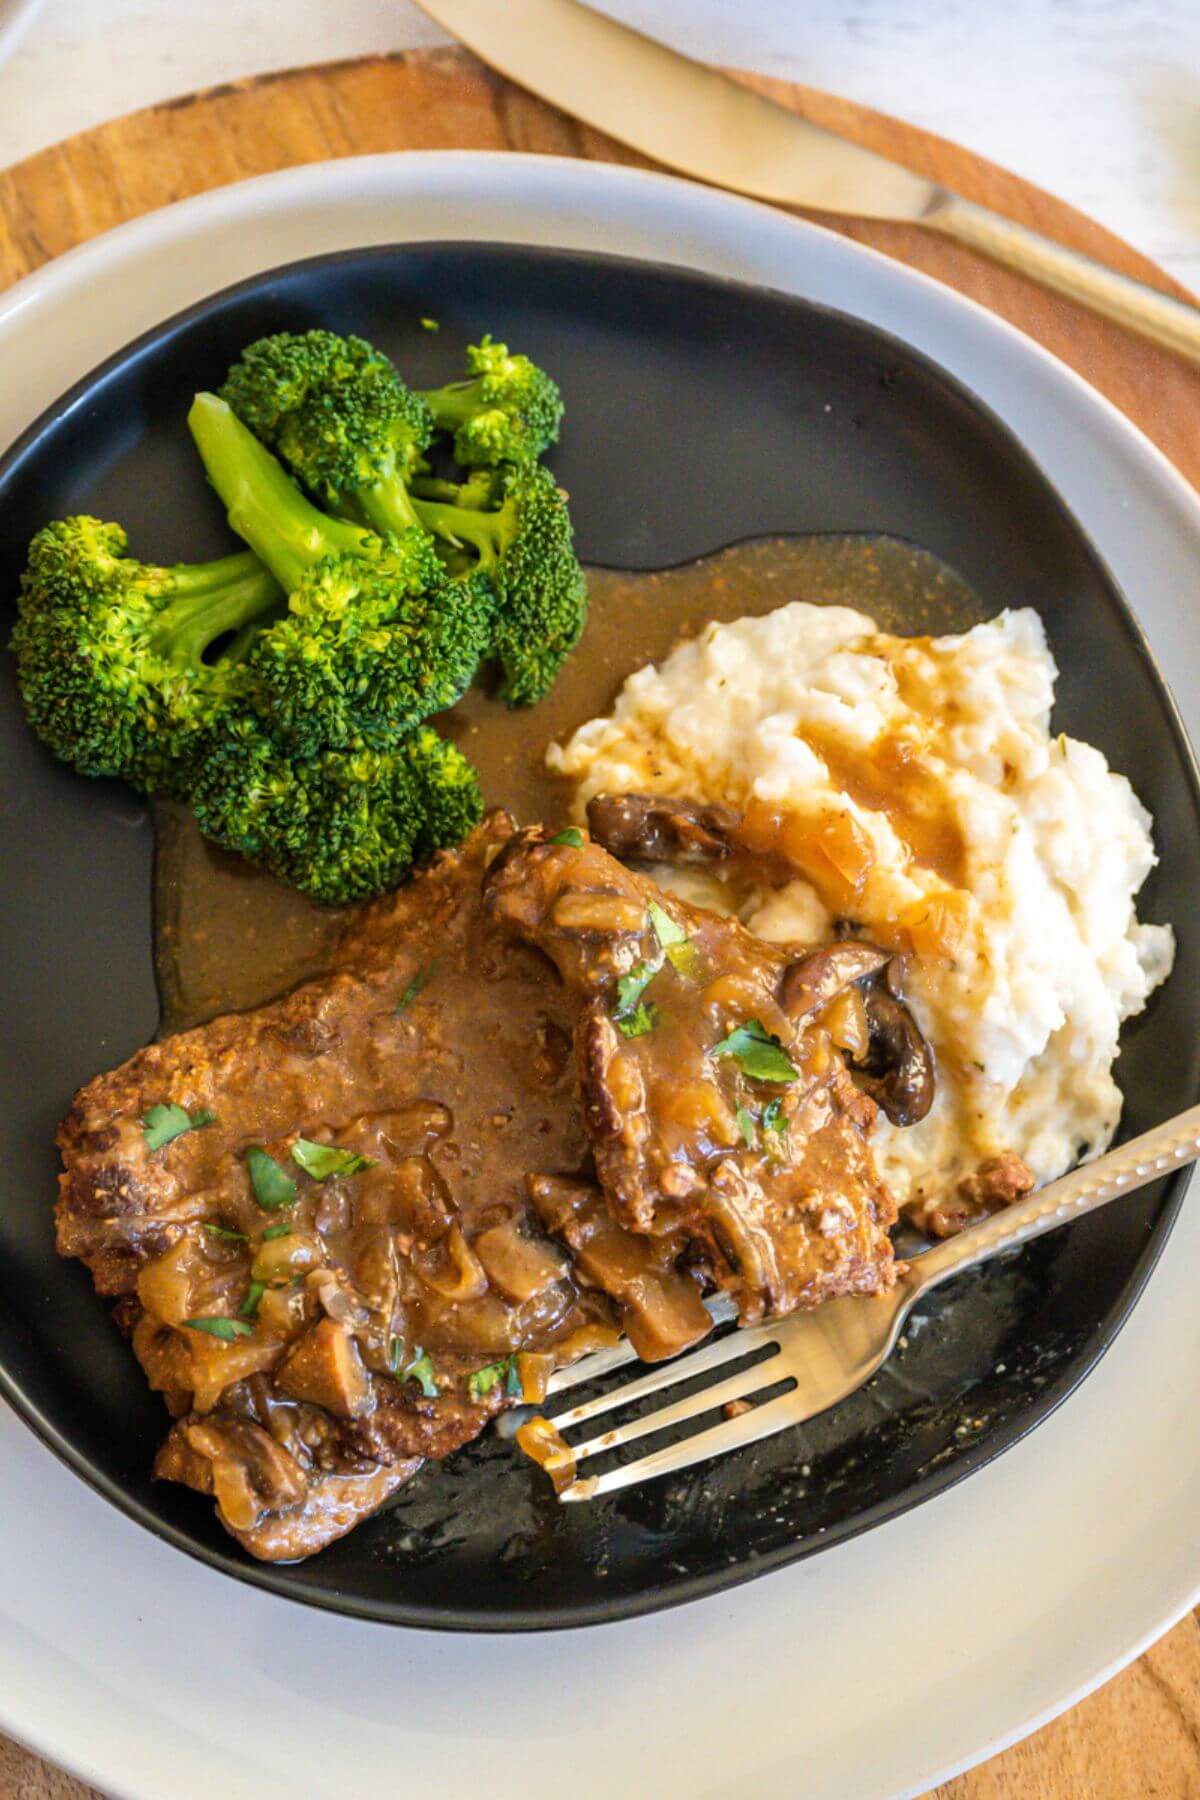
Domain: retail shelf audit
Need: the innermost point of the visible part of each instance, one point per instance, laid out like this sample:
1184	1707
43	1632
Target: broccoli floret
376	637
264	505
111	652
341	825
509	410
340	417
369	650
523	540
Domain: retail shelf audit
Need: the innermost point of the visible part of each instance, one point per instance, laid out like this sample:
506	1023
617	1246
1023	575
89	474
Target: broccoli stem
454	404
264	505
211	599
432	487
387	505
487	533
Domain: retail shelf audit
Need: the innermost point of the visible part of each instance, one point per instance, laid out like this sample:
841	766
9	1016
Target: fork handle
1173	323
1092	1185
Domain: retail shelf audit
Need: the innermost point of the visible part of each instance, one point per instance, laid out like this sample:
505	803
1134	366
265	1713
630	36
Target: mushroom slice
811	983
324	1366
236	1461
898	1069
661	828
519	1265
660	1306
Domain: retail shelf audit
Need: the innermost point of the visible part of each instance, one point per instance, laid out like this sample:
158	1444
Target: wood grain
1139	1737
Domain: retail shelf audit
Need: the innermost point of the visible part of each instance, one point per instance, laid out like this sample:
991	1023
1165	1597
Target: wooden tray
1140	1735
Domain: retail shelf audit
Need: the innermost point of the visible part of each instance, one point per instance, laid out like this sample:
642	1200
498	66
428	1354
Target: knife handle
1172	323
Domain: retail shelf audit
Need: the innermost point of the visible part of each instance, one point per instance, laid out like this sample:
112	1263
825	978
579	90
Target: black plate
700	412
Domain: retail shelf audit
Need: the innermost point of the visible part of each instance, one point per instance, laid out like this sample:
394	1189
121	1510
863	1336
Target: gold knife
697	120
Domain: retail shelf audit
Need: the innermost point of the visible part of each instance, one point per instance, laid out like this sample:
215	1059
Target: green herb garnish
167	1121
757	1053
272	1188
419	980
678	947
633	1016
570	836
418	1369
484	1380
430	325
774	1123
639	1022
228	1329
747	1127
631	987
276	1231
666	930
249	1306
684	958
223	1231
323	1160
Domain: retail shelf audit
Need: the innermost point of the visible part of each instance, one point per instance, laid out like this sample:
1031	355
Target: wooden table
1139	1737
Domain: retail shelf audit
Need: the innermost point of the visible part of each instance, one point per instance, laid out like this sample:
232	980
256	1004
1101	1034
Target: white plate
868	1673
15	17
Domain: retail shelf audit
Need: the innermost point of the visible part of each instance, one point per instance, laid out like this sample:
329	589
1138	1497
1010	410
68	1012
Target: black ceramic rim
288	1581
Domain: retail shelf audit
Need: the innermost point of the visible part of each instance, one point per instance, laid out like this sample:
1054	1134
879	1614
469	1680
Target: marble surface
1097	100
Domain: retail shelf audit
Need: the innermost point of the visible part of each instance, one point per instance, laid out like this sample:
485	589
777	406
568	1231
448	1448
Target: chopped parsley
631	987
677	946
429	325
419	980
276	1231
633	1015
419	1368
747	1127
757	1053
228	1329
249	1307
223	1232
272	1187
484	1380
666	930
570	836
774	1122
684	958
642	1020
323	1160
167	1121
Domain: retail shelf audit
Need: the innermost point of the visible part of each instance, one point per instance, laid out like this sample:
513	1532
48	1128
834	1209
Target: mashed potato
915	786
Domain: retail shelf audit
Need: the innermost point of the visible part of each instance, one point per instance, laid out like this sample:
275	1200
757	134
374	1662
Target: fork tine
603	1362
591	1367
731	1434
764	1374
670	1374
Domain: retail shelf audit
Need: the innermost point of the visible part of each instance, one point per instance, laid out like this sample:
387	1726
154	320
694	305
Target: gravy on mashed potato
912	788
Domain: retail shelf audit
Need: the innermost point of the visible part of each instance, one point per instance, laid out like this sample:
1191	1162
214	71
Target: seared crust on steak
995	1184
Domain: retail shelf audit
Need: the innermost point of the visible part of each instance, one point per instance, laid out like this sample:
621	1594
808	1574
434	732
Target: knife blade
696	119
681	113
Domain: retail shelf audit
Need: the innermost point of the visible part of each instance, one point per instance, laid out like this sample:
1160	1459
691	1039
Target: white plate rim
16	16
668	201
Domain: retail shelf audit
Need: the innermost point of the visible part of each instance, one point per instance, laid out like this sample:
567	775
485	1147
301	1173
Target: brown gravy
229	937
